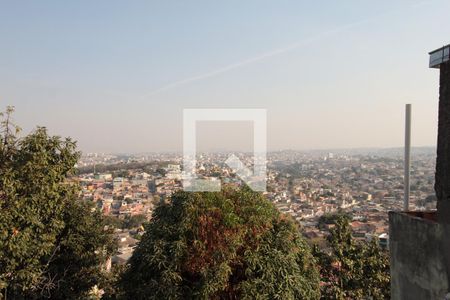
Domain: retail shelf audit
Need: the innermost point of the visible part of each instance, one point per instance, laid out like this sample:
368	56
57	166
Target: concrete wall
418	257
442	182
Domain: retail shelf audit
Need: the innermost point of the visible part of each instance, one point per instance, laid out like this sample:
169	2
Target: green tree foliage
83	247
228	245
129	222
51	246
135	221
331	218
113	222
352	269
110	284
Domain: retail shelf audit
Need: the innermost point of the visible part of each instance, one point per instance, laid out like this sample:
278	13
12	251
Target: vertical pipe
407	155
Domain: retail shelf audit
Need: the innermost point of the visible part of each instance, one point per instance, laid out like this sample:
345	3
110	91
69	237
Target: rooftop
439	56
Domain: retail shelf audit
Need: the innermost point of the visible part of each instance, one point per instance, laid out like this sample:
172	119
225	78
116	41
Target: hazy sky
116	75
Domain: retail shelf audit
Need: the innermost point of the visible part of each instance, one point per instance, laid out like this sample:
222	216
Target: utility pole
407	155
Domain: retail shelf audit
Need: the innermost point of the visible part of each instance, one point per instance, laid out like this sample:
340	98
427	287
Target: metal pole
407	155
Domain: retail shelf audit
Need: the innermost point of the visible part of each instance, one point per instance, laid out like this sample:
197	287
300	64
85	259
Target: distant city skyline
380	151
116	76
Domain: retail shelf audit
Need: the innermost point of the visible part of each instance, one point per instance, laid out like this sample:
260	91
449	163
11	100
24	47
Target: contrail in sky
272	53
